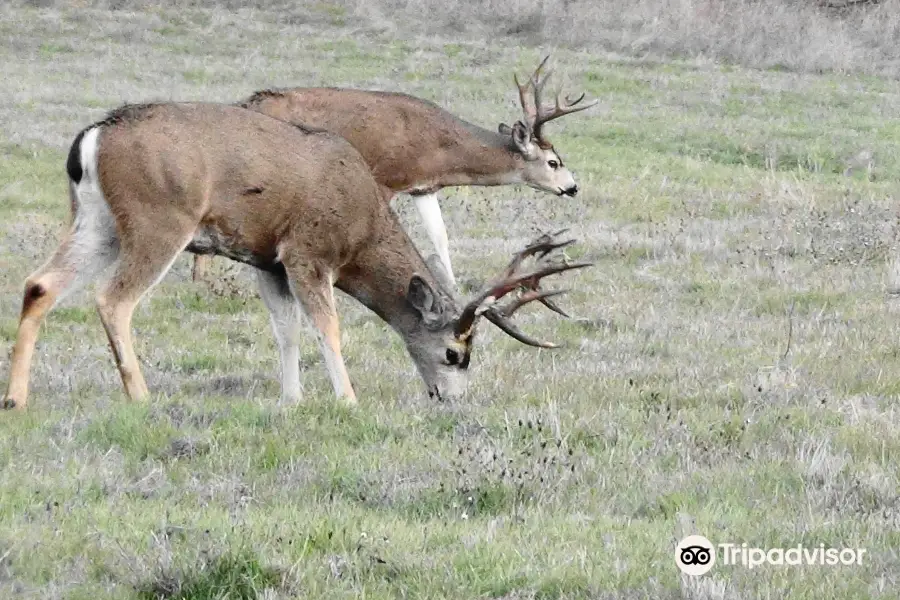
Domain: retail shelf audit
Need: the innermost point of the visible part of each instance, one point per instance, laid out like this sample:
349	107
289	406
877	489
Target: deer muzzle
448	385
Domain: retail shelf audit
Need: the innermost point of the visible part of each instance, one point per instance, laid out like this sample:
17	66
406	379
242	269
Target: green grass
230	576
731	364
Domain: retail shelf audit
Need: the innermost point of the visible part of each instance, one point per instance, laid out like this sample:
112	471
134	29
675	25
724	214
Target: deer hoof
8	404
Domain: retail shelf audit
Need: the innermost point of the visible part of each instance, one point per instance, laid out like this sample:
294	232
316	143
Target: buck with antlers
151	181
413	146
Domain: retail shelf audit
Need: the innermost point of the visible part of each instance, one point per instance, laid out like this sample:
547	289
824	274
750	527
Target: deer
415	147
297	204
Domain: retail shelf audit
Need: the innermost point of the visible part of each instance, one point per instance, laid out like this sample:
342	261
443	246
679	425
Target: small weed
527	466
48	49
236	576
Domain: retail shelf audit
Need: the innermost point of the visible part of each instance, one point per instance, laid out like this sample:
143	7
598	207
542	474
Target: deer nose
571	191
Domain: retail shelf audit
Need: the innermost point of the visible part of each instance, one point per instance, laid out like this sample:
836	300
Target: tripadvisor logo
695	555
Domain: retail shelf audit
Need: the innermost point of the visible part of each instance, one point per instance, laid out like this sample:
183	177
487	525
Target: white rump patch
89	197
94	244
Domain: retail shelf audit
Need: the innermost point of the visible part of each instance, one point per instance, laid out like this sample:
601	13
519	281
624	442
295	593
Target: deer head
543	168
441	346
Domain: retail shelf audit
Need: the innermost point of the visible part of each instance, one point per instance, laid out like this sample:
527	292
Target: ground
731	367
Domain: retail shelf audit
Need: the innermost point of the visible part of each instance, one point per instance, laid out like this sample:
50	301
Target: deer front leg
311	285
430	211
286	317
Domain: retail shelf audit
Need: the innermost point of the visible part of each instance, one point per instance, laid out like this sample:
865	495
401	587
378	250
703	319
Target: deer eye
553	164
452	357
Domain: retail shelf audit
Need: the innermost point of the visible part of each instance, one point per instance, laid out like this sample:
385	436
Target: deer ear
504	129
521	136
436	266
421	296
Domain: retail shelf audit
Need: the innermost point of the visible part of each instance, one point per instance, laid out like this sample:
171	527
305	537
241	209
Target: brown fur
412	145
224	180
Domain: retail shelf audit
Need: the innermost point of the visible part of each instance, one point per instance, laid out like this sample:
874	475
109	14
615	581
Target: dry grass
732	364
797	35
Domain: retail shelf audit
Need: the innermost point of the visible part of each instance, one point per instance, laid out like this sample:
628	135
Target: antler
536	115
530	110
545	116
484	303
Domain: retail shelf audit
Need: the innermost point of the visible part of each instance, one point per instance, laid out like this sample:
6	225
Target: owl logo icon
695	555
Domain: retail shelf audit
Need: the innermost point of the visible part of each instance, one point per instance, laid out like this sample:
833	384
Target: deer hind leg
201	266
430	211
286	317
146	256
311	285
87	249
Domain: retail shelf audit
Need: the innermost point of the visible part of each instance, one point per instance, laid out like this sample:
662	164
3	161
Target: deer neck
481	157
379	279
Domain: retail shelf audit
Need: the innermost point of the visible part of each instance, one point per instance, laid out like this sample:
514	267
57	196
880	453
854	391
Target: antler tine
570	105
495	292
543	244
540	66
515	332
537	88
500	317
531	278
510	280
530	112
537	81
529	296
576	100
553	306
543	248
560	110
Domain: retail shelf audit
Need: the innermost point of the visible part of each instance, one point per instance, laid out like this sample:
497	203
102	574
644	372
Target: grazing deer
150	181
413	146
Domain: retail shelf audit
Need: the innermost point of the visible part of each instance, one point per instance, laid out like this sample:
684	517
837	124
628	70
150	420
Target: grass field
733	367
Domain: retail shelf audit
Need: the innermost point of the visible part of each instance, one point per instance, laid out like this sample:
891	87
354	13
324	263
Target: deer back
256	179
410	144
